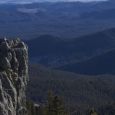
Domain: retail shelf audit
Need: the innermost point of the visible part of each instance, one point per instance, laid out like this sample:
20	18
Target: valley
71	52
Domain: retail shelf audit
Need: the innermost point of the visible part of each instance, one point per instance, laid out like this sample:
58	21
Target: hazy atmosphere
31	1
57	57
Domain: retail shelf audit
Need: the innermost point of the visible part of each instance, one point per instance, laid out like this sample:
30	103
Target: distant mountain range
34	1
90	54
63	33
64	20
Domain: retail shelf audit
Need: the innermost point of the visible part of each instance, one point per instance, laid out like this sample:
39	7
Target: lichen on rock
13	77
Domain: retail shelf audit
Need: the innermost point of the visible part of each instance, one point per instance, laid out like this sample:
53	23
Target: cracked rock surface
13	77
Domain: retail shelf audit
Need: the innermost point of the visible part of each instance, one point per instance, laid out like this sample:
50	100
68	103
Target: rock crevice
13	77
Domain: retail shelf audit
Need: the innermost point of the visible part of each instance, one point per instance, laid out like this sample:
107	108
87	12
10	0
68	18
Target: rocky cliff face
13	77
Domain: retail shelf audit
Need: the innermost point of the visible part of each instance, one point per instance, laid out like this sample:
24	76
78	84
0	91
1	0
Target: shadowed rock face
13	77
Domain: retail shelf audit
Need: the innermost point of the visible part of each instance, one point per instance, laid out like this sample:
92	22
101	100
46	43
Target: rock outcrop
13	77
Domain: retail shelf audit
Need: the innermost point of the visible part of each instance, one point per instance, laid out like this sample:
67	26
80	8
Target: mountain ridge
37	1
61	52
102	64
66	20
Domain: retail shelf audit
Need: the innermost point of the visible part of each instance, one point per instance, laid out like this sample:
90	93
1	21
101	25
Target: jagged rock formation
13	77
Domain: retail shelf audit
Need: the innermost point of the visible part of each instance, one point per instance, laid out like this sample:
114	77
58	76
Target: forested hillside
80	93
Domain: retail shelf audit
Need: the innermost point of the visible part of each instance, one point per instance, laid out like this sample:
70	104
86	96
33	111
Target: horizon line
79	1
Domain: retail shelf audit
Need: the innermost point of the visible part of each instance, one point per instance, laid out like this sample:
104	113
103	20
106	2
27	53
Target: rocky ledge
13	77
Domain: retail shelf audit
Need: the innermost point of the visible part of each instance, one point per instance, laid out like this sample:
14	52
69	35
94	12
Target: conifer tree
55	105
93	112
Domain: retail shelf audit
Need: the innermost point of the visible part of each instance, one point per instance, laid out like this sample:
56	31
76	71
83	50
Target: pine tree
93	112
55	105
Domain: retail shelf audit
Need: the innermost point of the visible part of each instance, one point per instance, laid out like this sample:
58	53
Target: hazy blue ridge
32	1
